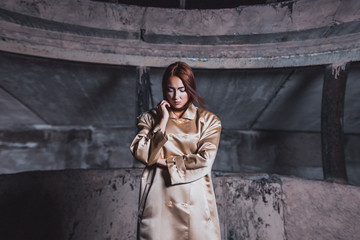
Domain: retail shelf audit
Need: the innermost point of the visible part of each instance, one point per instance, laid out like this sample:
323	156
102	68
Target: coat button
169	203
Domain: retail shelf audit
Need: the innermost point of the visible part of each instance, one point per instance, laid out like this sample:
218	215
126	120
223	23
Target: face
176	93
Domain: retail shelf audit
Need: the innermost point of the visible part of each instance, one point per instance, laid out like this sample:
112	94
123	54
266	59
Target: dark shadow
28	211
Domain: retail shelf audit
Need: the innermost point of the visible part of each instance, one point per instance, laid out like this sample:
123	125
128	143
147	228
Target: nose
176	95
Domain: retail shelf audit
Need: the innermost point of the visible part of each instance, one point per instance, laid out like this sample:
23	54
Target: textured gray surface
297	104
15	112
250	208
352	98
69	205
320	210
263	36
70	93
102	204
96	204
54	148
270	117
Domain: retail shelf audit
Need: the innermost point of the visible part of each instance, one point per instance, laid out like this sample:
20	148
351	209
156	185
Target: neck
178	112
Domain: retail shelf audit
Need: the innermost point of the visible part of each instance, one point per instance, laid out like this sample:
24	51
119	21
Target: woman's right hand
164	112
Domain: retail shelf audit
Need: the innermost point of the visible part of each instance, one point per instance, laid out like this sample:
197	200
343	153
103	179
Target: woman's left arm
193	166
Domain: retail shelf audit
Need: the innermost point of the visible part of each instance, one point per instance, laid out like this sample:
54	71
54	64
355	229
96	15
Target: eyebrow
178	87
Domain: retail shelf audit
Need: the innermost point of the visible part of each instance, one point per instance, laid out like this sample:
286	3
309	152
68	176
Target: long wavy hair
186	74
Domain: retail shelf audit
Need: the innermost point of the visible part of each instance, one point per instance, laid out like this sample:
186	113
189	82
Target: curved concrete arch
288	34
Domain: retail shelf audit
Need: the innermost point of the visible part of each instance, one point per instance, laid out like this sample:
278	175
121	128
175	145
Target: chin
179	106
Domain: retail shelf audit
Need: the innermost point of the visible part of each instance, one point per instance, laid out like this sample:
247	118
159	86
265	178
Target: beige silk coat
177	202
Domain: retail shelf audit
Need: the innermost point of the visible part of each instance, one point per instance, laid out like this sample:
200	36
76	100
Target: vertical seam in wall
151	96
271	99
283	208
142	25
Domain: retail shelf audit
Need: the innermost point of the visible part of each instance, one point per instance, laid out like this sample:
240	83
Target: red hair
185	73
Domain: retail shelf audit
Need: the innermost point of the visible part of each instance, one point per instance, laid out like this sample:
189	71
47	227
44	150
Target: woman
178	143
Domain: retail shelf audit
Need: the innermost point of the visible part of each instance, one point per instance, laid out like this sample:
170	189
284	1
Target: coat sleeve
149	140
193	166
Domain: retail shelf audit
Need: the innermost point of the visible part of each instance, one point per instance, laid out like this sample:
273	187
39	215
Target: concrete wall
61	114
287	34
102	204
320	210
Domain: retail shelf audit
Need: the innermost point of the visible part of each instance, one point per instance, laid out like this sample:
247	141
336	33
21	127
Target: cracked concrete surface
98	204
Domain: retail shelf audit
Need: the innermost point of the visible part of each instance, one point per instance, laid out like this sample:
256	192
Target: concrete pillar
182	4
143	89
143	94
332	112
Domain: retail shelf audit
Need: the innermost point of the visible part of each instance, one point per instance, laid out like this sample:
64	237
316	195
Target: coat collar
189	113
